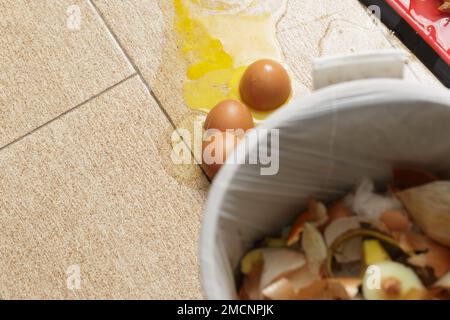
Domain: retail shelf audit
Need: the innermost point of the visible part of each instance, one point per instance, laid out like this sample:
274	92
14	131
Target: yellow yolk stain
218	46
245	38
204	53
213	87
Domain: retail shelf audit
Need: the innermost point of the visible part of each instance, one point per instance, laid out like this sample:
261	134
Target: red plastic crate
432	24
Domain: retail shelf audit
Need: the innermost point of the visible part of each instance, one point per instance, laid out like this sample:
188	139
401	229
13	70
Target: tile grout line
67	112
131	61
139	73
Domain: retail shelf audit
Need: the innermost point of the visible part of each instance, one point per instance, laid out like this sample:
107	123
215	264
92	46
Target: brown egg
229	114
265	85
215	150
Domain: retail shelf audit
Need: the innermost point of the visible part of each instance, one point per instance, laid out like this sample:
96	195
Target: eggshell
395	220
337	211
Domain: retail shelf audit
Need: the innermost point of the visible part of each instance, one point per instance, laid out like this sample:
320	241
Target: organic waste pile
392	245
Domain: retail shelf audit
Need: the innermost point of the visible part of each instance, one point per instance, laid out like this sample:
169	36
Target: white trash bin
329	141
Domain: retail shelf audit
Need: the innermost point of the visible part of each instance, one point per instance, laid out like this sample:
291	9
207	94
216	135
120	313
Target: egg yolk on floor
218	47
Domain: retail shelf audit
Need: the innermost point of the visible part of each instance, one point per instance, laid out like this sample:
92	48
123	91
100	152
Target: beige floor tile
96	189
315	28
309	29
328	36
301	12
47	66
145	30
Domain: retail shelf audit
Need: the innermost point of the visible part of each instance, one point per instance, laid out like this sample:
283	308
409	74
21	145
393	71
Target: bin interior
329	141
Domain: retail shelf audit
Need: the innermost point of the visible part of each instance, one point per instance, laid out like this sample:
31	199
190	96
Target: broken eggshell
430	254
302	278
337	210
351	285
317	214
297	228
429	206
366	203
396	220
265	268
303	285
278	262
343	225
290	284
325	289
281	289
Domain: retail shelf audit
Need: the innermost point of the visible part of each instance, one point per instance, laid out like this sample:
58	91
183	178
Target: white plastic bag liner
328	142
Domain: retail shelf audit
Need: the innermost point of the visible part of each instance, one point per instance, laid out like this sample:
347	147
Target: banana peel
364	233
374	252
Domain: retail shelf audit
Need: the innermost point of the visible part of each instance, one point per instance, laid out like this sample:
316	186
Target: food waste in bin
390	243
